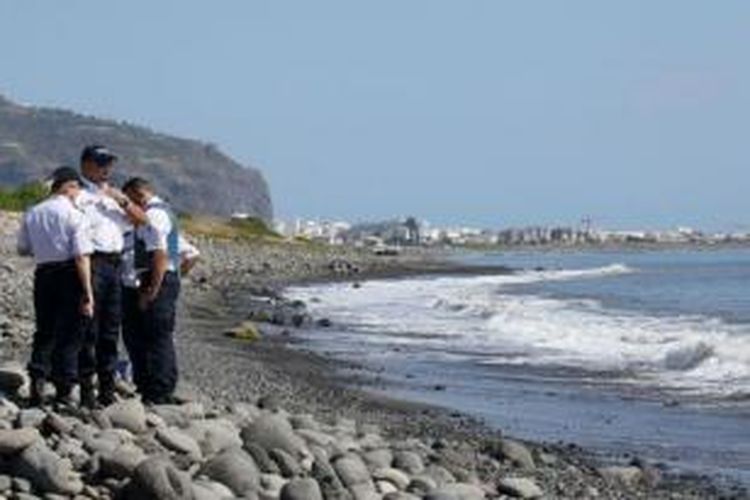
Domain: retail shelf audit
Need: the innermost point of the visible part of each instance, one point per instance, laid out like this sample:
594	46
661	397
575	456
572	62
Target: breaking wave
483	318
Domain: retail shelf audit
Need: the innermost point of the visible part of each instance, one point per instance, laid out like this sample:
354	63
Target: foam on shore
483	318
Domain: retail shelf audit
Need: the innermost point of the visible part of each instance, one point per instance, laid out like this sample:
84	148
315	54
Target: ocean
625	352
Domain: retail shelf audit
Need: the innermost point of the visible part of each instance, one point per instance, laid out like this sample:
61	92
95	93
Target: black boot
88	394
64	397
37	391
107	390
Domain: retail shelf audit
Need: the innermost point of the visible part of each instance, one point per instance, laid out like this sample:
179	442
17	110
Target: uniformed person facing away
151	307
56	234
110	214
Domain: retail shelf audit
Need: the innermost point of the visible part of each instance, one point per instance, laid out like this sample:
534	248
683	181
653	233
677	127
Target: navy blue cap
98	154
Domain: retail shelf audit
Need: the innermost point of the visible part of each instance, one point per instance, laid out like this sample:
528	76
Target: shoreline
333	380
279	372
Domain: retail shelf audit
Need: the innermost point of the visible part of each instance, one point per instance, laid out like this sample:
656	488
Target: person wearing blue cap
55	232
110	214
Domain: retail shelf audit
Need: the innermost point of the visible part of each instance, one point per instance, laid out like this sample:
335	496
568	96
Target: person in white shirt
132	317
56	234
110	214
151	307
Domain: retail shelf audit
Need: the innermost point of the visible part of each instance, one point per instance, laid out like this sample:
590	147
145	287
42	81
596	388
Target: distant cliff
195	176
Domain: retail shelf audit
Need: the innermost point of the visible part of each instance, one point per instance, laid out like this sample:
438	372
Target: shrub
20	198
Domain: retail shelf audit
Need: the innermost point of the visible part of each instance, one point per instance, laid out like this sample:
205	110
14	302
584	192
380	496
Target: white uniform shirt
130	274
155	235
108	221
55	230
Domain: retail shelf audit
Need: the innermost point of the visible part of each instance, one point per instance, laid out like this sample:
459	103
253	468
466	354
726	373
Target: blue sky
634	113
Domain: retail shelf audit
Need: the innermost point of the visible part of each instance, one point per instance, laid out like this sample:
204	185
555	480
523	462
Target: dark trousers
149	339
99	352
59	324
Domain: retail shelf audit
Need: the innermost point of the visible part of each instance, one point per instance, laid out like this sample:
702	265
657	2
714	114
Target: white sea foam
480	315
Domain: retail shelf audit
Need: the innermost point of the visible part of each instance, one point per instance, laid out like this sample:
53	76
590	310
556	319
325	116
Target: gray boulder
351	470
271	485
288	465
329	482
120	462
273	431
304	421
14	441
519	487
400	495
378	459
47	470
262	459
421	485
440	495
513	452
31	417
12	377
301	489
461	491
408	461
394	476
179	442
440	474
214	435
205	489
128	414
235	469
157	479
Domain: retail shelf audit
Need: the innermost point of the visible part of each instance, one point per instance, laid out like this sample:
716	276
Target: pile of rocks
16	311
195	451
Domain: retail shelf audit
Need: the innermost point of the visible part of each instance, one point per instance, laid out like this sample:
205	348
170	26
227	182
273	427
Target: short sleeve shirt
108	221
55	230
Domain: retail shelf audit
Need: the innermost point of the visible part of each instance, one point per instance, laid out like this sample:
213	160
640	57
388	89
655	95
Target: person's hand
87	306
116	195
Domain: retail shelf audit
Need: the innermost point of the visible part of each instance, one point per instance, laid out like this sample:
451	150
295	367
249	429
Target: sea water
626	352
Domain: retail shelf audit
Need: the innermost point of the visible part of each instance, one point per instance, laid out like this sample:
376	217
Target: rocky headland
264	419
195	175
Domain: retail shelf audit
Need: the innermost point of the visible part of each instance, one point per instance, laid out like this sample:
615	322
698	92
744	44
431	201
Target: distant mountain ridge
195	176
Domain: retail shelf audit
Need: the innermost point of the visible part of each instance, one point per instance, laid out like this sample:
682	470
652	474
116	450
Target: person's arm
156	236
134	214
159	267
23	243
83	267
82	248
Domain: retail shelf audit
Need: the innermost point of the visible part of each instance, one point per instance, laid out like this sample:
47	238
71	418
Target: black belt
110	257
56	266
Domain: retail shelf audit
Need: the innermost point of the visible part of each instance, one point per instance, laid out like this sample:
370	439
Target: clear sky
635	113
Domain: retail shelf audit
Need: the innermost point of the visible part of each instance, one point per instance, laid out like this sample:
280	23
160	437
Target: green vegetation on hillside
233	229
20	198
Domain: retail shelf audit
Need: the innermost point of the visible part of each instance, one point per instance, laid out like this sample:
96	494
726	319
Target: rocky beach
264	418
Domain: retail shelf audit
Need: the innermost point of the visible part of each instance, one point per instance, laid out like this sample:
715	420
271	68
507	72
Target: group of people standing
108	261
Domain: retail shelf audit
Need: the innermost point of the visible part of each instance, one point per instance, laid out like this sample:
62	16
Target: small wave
612	269
686	352
688	357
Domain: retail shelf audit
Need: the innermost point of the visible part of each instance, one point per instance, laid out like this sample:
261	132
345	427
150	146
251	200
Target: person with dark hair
55	232
110	214
150	297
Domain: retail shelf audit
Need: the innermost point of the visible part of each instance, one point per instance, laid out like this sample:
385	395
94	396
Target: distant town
409	231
